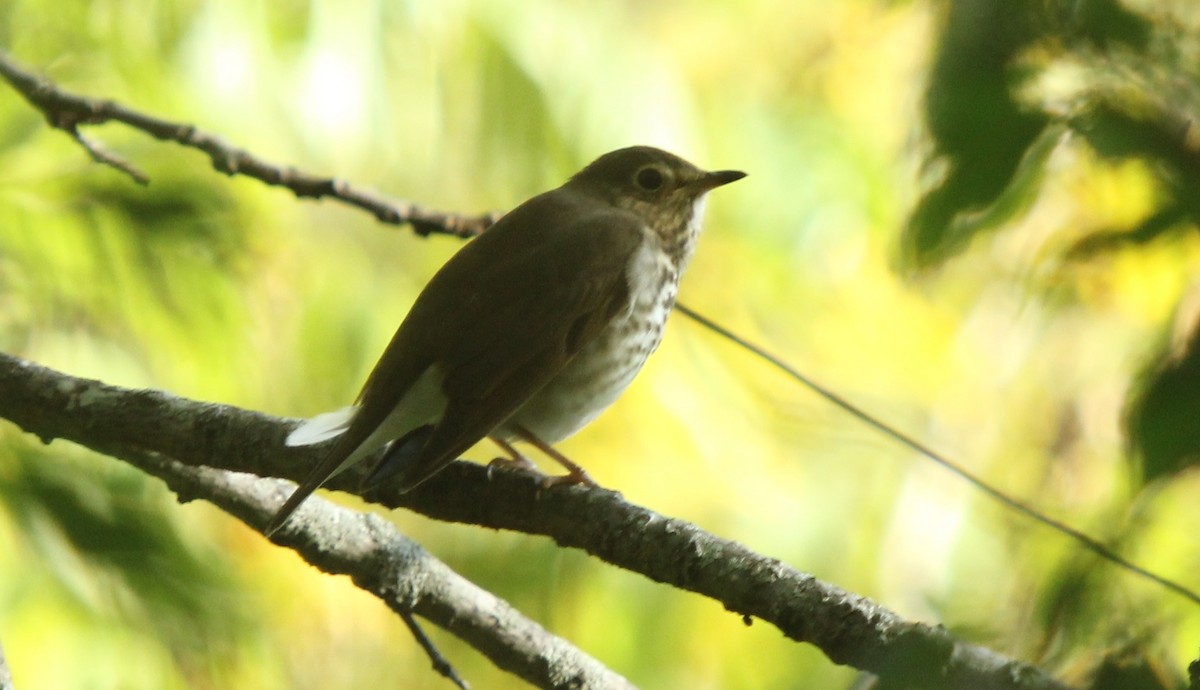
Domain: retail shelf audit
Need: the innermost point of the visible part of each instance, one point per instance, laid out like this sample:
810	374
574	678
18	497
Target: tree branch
850	629
67	111
394	568
5	675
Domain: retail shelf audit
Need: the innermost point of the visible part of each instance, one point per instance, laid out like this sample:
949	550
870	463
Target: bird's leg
514	461
575	473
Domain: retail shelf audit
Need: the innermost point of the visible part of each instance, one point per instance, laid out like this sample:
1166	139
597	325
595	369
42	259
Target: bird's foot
577	475
517	463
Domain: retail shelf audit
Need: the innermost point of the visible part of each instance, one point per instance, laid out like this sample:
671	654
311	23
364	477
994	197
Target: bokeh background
974	218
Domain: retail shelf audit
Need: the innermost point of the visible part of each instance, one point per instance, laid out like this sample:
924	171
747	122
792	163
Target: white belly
604	368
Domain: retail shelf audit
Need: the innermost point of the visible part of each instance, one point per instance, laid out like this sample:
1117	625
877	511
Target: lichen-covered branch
395	569
850	629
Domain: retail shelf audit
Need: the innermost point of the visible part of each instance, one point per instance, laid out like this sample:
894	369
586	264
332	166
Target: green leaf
1163	414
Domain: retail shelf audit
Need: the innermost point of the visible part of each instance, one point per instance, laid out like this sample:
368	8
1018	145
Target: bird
529	331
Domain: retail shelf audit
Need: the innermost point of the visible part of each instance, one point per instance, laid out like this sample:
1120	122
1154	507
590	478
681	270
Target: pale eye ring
650	178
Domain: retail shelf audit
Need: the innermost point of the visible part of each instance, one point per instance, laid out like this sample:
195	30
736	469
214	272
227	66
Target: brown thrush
530	330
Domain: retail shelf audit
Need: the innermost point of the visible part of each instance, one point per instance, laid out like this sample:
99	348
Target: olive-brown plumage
531	329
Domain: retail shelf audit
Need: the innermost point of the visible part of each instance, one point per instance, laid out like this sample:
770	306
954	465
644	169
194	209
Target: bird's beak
712	180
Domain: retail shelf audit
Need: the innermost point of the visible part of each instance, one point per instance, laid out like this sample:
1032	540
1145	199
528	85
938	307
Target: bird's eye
649	178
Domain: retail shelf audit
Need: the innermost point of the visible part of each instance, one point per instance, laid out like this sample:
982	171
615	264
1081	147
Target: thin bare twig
67	111
105	157
440	663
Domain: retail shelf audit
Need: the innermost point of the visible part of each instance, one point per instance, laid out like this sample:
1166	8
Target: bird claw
575	477
519	463
524	465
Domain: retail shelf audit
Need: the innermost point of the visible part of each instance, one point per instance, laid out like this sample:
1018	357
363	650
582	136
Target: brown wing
501	317
511	309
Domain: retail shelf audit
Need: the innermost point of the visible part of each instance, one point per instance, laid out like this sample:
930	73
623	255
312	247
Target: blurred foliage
1123	80
980	133
1052	145
109	557
988	130
1163	417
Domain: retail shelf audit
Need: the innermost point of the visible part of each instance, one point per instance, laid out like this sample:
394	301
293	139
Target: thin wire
1016	504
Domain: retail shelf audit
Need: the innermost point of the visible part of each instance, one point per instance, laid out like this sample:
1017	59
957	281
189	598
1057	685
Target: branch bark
850	629
394	568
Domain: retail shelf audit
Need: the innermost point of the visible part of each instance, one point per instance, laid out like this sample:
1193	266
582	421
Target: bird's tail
313	431
322	427
402	461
